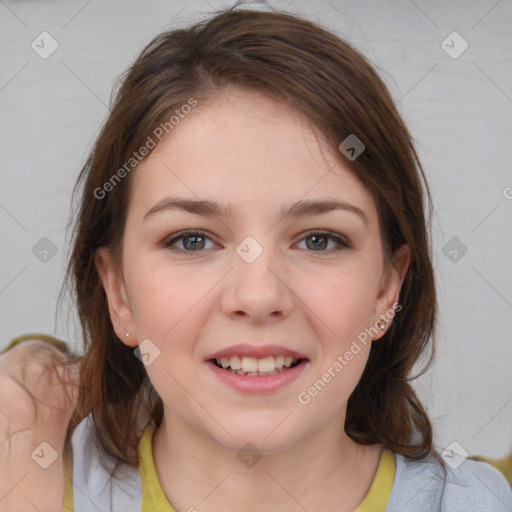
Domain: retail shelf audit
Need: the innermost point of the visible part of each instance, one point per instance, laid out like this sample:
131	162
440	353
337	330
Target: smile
284	372
253	367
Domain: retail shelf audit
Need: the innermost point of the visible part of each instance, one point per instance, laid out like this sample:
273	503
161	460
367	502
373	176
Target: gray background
458	110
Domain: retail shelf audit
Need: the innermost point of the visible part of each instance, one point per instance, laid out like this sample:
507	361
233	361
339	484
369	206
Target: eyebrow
208	208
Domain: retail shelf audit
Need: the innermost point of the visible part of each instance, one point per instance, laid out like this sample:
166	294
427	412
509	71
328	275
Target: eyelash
343	244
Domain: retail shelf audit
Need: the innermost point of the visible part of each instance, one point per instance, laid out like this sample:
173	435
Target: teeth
235	362
266	365
253	367
249	364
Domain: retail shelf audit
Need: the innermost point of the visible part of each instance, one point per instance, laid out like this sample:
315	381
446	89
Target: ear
390	286
118	302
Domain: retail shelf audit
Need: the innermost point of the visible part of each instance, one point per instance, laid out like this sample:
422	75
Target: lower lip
265	384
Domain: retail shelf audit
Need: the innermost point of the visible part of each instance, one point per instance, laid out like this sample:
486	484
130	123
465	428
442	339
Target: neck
327	471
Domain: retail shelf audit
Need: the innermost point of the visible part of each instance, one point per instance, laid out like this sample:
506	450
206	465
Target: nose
258	289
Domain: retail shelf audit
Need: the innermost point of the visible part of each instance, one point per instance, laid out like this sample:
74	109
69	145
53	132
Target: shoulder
472	486
477	486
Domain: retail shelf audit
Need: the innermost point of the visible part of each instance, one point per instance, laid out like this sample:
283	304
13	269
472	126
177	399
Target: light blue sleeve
477	486
93	488
421	486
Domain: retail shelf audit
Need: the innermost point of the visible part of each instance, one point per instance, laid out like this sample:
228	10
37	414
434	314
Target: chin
263	435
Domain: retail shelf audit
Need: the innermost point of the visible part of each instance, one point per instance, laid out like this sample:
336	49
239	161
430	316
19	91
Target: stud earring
381	324
127	334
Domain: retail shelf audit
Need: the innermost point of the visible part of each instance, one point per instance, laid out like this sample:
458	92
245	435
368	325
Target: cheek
343	308
168	310
170	306
165	299
344	302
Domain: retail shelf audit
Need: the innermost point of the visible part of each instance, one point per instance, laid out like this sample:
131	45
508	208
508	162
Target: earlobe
117	298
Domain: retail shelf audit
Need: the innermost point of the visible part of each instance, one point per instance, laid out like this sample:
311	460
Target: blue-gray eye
320	240
194	241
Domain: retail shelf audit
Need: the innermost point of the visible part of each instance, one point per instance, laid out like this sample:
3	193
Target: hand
38	394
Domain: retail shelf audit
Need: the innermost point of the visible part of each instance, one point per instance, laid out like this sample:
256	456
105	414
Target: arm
38	394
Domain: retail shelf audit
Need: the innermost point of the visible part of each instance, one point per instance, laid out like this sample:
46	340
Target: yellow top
68	493
153	497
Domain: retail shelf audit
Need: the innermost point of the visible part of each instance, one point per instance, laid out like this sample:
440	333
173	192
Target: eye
194	241
191	241
320	240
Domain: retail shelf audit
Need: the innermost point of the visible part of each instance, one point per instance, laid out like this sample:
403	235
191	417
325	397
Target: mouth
253	367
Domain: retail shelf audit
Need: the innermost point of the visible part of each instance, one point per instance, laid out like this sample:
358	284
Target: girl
253	277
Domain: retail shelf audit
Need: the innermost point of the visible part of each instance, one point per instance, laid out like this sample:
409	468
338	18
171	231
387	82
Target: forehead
250	151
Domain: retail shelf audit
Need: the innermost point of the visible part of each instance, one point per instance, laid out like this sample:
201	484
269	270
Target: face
252	281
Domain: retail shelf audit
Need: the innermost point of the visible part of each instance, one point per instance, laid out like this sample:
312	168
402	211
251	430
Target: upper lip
258	352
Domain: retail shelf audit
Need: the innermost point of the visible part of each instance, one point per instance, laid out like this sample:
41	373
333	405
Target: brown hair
302	64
